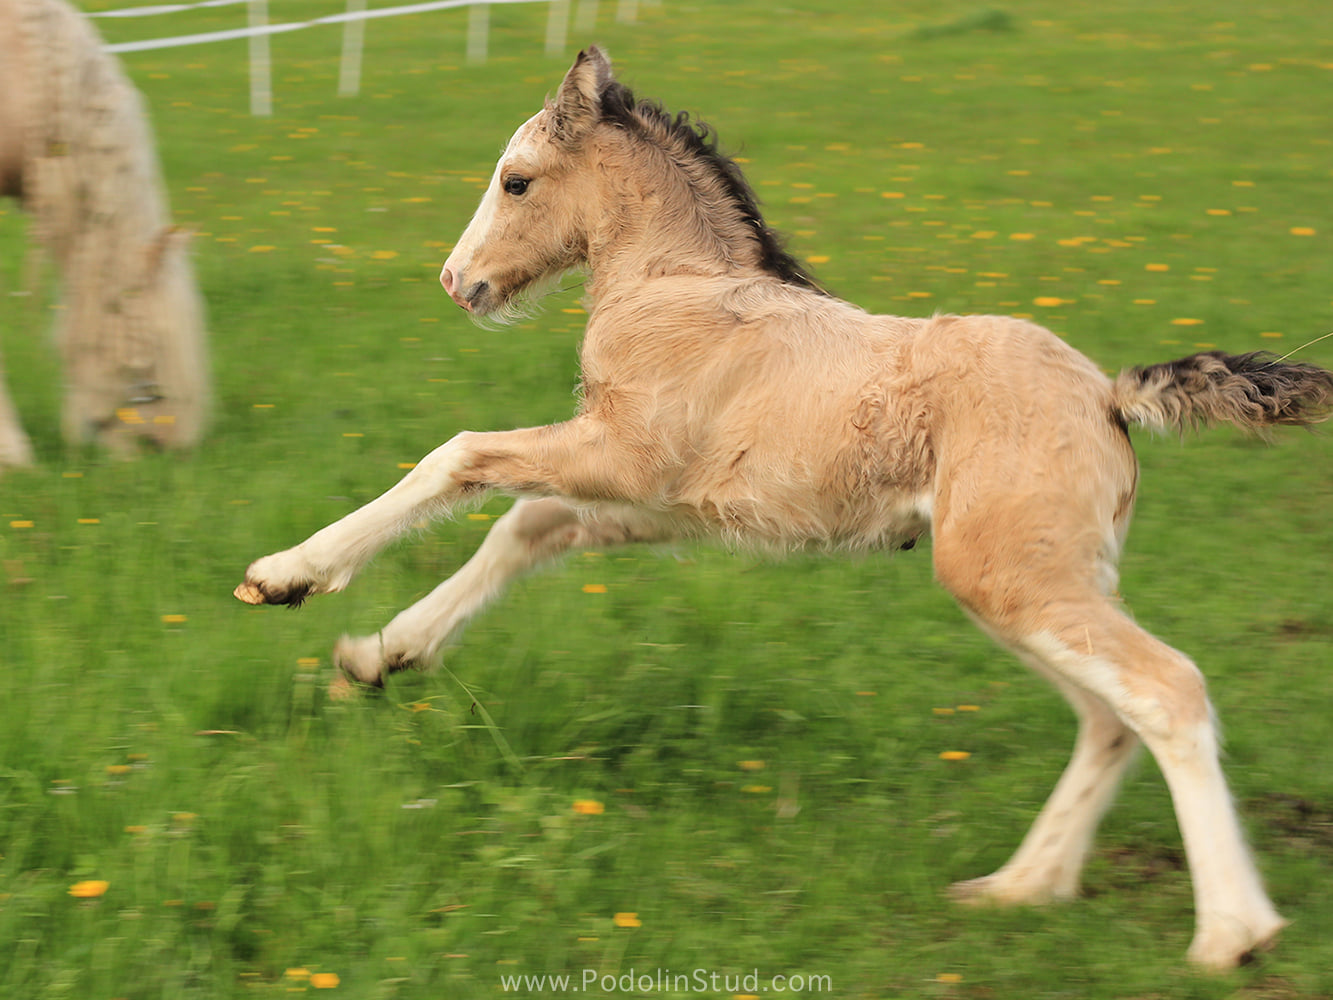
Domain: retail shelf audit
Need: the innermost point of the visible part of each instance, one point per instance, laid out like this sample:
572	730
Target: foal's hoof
361	659
366	661
1003	889
252	592
1223	946
282	578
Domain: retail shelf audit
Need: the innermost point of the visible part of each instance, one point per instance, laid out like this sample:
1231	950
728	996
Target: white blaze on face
520	156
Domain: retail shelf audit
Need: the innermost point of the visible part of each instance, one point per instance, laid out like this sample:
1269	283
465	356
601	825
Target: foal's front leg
533	532
572	459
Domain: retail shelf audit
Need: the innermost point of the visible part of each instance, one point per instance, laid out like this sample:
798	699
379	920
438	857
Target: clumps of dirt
1295	820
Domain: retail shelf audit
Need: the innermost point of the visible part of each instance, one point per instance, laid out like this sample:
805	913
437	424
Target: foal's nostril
448	279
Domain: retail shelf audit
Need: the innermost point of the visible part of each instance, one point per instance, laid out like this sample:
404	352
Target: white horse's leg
533	532
570	459
14	446
1048	863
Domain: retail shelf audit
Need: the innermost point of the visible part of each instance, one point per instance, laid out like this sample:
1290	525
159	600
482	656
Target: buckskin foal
724	394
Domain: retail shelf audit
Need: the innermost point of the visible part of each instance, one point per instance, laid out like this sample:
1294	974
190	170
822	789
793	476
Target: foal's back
793	418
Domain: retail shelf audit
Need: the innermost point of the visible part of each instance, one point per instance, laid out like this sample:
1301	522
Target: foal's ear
577	105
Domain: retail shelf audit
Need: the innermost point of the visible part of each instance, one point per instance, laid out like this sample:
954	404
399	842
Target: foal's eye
516	186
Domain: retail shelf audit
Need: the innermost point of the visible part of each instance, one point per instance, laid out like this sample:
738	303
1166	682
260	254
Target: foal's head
596	176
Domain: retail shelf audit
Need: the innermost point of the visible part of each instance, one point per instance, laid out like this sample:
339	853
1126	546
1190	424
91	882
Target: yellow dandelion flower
297	973
969	708
1048	301
627	920
955	755
942	711
324	980
114	769
174	619
757	789
1157	267
90	889
594	588
751	765
1022	236
1186	321
588	807
1302	231
20	524
948	977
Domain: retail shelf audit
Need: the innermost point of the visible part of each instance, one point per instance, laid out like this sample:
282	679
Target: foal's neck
664	214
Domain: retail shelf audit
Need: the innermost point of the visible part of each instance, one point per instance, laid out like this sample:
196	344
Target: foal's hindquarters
1035	486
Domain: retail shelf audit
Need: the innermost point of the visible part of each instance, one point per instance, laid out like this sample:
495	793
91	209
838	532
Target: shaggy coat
77	150
726	395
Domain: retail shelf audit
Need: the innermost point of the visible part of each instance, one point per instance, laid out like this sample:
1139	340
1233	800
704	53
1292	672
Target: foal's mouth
473	298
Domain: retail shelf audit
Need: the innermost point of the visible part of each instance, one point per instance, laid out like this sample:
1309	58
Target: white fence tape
277	29
162	8
353	20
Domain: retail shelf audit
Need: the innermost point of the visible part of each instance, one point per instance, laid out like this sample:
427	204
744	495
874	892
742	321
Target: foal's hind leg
1048	863
1160	693
1080	637
531	533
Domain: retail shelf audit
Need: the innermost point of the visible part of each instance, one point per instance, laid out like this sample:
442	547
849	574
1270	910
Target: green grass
1107	169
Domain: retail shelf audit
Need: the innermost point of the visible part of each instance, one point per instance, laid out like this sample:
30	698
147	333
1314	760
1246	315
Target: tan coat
726	395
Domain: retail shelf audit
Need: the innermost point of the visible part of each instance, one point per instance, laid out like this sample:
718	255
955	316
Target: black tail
1252	391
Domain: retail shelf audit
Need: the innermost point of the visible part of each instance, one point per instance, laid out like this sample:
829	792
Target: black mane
620	107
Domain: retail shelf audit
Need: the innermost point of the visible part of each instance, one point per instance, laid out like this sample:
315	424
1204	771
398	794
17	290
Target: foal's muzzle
470	297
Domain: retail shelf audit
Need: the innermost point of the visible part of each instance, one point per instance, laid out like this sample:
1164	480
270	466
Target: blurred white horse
77	150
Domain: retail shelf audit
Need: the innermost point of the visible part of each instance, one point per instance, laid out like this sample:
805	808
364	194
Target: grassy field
699	762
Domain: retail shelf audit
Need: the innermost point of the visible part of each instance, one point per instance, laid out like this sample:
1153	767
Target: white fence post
261	81
557	27
354	40
478	32
585	20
